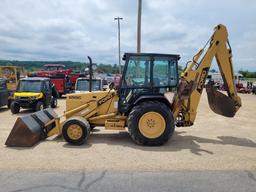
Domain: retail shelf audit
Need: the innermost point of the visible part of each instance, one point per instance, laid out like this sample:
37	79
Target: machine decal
202	79
106	98
74	97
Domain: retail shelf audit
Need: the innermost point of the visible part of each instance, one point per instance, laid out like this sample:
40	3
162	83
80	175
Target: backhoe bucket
219	102
30	129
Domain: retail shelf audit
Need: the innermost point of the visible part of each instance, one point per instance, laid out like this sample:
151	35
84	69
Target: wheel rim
74	132
152	125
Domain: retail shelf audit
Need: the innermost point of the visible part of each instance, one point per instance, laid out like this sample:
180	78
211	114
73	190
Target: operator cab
147	76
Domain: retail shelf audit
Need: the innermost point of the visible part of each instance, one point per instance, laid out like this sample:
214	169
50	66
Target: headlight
17	97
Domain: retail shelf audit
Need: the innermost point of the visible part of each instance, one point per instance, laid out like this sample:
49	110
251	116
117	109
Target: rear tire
151	123
15	108
76	130
39	106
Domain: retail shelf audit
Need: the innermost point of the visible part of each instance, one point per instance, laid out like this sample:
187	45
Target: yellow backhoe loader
141	103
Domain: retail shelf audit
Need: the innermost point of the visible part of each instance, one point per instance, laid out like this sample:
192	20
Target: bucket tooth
29	130
219	102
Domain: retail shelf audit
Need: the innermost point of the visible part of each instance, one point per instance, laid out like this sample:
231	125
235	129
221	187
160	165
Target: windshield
138	71
83	85
29	86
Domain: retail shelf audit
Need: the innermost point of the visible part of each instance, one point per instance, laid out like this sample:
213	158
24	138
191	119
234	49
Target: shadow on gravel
177	143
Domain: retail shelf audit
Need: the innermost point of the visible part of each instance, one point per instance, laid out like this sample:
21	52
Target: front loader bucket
219	102
30	129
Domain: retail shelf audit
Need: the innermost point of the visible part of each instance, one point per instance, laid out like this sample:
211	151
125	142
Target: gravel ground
213	143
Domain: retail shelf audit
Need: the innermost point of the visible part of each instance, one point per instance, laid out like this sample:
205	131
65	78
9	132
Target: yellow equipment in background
12	74
141	103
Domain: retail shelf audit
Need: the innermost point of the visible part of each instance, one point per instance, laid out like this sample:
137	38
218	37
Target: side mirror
105	87
111	85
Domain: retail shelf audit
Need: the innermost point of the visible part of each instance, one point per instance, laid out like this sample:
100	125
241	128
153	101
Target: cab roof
151	55
85	78
35	79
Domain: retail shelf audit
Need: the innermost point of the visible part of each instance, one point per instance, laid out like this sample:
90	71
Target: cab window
164	72
138	72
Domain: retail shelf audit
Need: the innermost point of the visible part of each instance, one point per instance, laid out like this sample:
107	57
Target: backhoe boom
193	81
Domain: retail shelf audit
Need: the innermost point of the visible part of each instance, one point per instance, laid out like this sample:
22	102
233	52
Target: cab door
136	80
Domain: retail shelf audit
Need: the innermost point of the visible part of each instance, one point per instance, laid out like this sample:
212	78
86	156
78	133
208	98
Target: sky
52	30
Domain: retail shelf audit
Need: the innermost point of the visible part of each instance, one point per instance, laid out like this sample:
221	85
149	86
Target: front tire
15	108
39	106
151	123
76	130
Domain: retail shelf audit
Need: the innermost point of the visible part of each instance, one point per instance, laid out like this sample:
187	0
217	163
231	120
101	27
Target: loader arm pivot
193	80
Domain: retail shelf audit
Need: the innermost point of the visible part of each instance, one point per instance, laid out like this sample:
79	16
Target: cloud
71	30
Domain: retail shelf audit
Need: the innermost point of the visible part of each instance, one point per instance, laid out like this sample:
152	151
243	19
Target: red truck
64	79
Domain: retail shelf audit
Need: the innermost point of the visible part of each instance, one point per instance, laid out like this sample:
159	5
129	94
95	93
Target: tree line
31	66
247	74
76	66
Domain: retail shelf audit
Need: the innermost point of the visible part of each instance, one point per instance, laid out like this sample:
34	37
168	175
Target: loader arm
193	79
30	129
